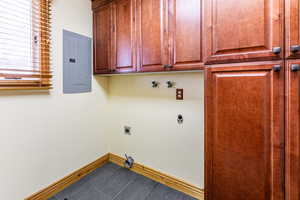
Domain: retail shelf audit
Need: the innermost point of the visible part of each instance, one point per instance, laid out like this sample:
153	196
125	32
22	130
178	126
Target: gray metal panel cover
77	67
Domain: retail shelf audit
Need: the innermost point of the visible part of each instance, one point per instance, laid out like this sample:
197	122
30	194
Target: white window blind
25	44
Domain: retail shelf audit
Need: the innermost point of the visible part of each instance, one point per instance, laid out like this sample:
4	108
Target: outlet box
127	130
179	94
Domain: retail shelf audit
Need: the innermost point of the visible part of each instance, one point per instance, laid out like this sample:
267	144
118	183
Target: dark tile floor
112	182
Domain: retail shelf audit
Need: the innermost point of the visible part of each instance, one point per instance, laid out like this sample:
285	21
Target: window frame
13	81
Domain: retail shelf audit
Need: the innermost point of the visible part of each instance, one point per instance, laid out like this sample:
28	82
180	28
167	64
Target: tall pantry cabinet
252	100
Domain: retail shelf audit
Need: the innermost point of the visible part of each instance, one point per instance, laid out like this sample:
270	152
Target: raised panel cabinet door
124	59
152	35
244	134
292	28
239	31
292	130
185	32
102	39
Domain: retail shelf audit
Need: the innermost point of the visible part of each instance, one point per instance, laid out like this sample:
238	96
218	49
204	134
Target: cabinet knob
295	48
277	68
295	67
276	50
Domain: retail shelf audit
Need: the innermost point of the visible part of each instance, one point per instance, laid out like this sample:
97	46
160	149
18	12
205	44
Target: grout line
99	190
152	190
123	189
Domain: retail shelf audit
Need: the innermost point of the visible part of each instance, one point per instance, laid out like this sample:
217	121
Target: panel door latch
295	48
295	67
276	50
277	68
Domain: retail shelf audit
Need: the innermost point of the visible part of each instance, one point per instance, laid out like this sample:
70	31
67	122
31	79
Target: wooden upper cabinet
152	35
102	39
244	136
147	35
185	32
292	28
123	46
292	130
247	30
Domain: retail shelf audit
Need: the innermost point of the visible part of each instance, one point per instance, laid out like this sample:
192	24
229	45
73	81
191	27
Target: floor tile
52	198
120	179
90	194
162	192
102	174
80	186
111	182
139	189
99	176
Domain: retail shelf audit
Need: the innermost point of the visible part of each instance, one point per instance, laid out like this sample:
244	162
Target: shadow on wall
102	82
140	86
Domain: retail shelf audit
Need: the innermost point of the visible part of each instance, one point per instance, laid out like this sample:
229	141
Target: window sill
25	88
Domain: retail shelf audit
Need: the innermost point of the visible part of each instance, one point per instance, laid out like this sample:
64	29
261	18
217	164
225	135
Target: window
25	44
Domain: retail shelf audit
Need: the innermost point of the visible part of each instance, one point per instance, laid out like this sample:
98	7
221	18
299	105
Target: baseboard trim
68	180
161	178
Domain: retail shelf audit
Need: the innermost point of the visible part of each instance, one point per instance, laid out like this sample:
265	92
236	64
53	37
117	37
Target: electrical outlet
127	130
179	94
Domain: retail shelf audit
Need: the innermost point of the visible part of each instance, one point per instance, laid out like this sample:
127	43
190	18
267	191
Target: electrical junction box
77	63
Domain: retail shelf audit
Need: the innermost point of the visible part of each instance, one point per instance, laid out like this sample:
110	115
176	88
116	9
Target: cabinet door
292	131
152	35
244	138
247	30
292	24
124	59
185	32
102	39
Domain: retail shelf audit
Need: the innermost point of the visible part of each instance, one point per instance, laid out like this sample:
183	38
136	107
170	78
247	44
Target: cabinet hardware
295	67
276	68
295	48
276	50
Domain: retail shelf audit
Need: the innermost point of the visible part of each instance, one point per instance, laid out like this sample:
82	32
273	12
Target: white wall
44	137
157	141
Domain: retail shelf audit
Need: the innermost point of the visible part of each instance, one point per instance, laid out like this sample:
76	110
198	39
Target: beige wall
157	140
46	136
